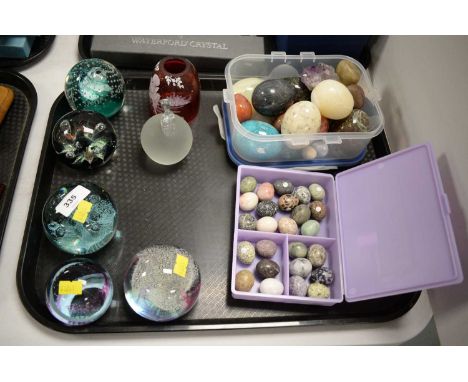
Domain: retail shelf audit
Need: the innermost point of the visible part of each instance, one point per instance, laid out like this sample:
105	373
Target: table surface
18	327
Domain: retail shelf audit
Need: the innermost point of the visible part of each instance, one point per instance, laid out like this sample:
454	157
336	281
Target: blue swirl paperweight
79	218
96	85
162	283
79	292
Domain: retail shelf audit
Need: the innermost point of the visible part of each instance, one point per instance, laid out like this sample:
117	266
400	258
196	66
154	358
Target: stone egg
358	95
278	122
300	214
333	100
321	148
322	275
266	248
309	153
288	226
245	252
271	286
265	191
248	201
318	210
348	72
244	281
246	87
317	192
272	97
298	286
303	194
300	267
301	92
243	108
266	268
310	228
302	118
316	73
318	290
248	184
317	255
255	149
357	121
283	186
266	208
297	249
247	221
287	202
267	224
324	125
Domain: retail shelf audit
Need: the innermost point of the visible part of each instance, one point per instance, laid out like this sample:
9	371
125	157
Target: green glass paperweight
84	139
96	85
79	218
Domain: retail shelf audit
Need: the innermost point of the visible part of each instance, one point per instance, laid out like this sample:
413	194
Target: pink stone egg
265	191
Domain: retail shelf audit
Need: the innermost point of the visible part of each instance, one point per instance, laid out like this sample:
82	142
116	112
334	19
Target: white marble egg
248	201
267	224
333	99
271	286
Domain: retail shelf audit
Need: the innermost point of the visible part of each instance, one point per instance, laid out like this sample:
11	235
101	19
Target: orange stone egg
243	108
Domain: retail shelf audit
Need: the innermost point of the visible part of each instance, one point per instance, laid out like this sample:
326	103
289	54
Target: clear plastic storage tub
333	148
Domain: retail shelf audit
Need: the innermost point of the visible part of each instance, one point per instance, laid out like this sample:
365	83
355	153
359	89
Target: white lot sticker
71	200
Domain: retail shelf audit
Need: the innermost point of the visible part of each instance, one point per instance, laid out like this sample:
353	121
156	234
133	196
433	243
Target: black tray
14	132
40	47
189	205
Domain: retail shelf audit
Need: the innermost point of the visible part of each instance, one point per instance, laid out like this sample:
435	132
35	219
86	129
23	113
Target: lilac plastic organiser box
388	229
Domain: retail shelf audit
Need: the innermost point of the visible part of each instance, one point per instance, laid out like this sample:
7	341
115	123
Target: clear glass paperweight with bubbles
84	139
162	283
79	292
96	85
79	218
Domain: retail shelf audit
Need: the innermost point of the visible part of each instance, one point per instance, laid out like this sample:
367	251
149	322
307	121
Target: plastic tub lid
395	228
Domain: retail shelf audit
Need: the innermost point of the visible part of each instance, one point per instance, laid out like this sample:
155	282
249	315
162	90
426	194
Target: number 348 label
71	200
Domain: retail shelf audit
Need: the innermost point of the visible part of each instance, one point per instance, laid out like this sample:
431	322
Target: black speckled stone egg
272	97
322	275
266	208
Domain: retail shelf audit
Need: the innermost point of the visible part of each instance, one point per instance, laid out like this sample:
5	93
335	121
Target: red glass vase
177	80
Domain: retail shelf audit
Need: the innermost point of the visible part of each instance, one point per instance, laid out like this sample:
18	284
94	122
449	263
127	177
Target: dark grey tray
14	133
188	205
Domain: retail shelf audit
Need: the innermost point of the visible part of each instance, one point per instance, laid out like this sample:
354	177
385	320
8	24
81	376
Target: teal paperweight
162	283
79	218
96	85
84	139
79	292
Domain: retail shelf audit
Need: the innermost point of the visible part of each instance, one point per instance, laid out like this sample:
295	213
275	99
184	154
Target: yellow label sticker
180	266
70	287
82	211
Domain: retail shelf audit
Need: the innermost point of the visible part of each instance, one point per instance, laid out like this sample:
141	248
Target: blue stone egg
79	218
253	150
80	304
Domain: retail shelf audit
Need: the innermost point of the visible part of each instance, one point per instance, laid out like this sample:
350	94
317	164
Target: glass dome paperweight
79	292
96	85
162	283
79	218
84	139
166	138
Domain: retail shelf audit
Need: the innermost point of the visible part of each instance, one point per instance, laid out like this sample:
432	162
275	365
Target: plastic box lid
395	229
